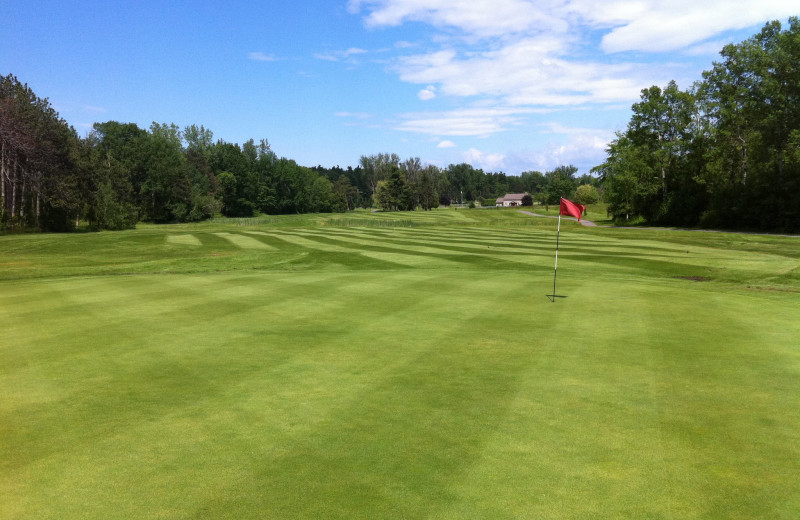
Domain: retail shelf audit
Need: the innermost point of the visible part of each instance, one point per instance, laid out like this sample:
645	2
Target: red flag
572	209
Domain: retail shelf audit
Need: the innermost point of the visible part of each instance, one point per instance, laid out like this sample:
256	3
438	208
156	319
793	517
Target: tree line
385	181
724	153
121	174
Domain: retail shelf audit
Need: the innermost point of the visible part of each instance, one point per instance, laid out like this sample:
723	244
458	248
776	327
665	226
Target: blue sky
506	85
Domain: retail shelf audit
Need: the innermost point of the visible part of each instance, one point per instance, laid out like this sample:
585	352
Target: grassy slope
400	365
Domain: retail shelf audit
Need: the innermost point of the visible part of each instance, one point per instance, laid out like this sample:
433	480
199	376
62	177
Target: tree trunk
3	174
744	158
22	201
744	165
14	193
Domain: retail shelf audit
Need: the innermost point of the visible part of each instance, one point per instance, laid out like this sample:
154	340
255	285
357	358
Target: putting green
358	369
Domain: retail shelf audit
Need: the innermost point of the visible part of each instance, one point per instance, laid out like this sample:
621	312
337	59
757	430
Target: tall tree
751	103
560	182
38	175
426	192
722	155
394	194
379	167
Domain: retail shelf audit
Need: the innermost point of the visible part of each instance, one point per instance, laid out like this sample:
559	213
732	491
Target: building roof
512	197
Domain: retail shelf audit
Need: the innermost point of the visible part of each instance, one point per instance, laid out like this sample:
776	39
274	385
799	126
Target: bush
54	219
587	194
711	219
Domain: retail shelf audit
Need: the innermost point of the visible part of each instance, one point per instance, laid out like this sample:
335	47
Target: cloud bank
508	59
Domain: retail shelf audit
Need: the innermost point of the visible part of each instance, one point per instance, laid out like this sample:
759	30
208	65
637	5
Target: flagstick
555	269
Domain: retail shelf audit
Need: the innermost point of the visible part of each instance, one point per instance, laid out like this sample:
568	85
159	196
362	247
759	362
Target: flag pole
555	269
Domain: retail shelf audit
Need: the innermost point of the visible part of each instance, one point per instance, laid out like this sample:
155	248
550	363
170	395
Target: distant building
509	200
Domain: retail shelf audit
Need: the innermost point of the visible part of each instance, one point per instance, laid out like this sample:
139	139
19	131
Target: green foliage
344	195
122	174
108	212
561	182
232	204
378	168
40	177
531	182
586	194
464	179
426	192
394	194
722	154
203	206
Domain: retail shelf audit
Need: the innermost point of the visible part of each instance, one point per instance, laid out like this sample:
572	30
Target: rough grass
343	367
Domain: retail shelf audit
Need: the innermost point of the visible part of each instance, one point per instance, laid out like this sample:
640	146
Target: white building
510	199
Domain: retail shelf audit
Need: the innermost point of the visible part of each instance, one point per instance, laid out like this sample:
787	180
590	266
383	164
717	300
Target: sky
505	85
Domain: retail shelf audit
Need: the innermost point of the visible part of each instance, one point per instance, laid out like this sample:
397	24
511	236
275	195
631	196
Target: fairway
399	365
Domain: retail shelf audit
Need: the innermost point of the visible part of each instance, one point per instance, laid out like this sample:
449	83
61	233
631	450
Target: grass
344	366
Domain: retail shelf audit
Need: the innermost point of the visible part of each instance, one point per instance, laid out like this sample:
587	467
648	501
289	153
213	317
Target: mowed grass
404	365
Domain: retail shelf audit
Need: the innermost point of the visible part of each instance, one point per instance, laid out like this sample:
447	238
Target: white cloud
446	144
709	48
260	56
529	72
507	59
562	145
589	141
662	27
340	55
643	25
484	161
481	122
353	50
482	19
427	93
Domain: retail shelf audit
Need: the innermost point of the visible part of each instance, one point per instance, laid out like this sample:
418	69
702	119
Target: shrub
587	194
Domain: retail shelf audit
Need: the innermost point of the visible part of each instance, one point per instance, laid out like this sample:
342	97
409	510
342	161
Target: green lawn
402	365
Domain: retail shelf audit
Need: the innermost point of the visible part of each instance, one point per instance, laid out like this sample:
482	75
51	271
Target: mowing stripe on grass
313	381
242	241
445	242
383	247
413	258
185	240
